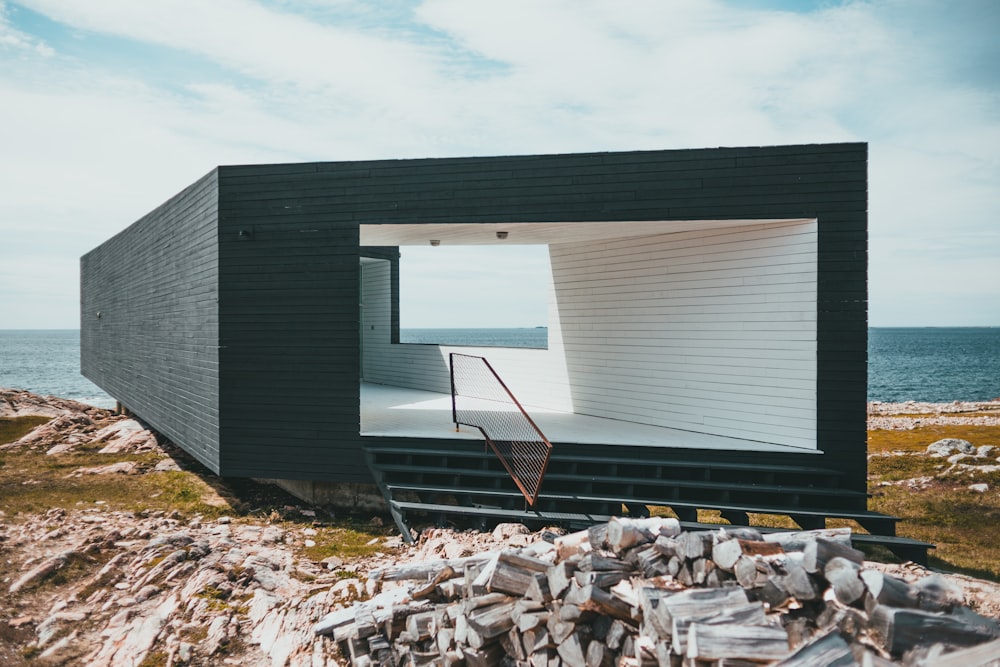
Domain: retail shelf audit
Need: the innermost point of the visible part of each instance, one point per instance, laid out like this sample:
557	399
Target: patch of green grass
345	540
941	510
15	428
155	659
903	466
33	482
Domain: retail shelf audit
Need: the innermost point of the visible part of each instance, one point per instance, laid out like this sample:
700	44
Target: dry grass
934	500
916	440
32	482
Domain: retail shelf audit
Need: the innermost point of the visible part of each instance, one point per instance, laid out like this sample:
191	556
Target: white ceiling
536	233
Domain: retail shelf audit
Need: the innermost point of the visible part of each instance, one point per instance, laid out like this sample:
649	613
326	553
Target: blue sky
107	108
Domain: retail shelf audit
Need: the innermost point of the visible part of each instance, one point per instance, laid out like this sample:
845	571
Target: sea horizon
925	363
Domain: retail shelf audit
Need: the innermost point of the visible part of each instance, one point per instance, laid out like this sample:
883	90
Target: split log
666	546
426	570
616	633
510	572
512	646
543	658
718	642
726	553
690	603
599	655
486	600
820	551
887	590
746	572
597	562
536	639
426	589
844	580
597	536
573	650
445	640
797	583
573	613
422	625
750	614
830	650
798	540
488	656
451	589
559	629
696	544
935	593
603	580
645	652
984	655
700	568
592	598
573	544
531	621
538	589
624	532
488	623
651	563
655	619
746	533
560	576
900	630
684	577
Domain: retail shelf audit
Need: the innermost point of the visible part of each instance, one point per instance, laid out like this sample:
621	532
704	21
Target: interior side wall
537	377
149	327
709	331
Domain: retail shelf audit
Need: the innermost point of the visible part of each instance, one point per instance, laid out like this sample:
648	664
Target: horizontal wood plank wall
290	323
708	331
288	302
537	377
149	319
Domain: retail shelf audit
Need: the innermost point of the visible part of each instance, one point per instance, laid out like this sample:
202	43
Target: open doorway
486	295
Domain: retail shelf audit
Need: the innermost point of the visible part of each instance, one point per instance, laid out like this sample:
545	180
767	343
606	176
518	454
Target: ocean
904	364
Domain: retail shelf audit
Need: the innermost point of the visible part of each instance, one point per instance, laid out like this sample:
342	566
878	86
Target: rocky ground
89	583
912	414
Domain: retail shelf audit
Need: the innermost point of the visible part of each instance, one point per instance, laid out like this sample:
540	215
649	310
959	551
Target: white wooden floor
398	411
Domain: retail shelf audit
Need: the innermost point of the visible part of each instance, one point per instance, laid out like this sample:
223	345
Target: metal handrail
511	433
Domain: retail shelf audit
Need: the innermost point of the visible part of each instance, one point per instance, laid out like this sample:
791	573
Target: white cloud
90	144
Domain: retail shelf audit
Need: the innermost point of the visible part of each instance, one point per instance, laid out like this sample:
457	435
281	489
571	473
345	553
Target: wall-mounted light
245	235
435	242
98	314
501	235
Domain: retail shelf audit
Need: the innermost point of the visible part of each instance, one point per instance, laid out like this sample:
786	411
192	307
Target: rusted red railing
480	399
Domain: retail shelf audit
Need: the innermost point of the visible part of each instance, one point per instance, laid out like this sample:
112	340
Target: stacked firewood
642	593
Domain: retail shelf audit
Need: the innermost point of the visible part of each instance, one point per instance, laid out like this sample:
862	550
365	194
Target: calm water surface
919	364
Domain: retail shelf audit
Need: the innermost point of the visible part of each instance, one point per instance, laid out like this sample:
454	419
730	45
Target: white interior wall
712	331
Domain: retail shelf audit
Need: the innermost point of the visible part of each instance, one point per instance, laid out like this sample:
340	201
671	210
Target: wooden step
665	484
903	547
559	460
872	521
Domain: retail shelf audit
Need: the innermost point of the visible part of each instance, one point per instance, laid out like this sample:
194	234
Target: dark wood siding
149	319
289	294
